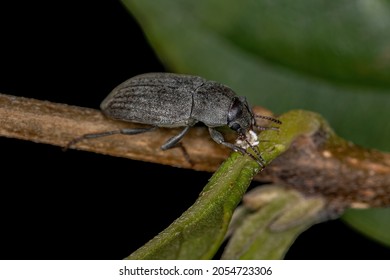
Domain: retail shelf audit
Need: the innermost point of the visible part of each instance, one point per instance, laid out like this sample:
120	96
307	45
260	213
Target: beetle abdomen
157	99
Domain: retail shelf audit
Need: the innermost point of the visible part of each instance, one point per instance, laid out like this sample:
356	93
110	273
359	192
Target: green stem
198	233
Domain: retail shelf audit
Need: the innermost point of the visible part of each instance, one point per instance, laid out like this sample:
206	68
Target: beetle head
242	120
240	116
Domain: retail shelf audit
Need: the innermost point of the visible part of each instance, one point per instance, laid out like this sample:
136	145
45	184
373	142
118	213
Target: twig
318	163
322	164
58	124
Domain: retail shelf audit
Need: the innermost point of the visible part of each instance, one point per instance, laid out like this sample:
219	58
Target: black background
80	205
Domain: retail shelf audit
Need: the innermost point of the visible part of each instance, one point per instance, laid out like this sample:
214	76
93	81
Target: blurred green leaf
269	221
190	38
374	223
329	57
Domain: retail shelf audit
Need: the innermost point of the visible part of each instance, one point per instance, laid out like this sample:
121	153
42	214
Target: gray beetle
173	100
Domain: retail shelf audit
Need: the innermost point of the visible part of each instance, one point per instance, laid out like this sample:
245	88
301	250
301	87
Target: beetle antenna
262	128
272	119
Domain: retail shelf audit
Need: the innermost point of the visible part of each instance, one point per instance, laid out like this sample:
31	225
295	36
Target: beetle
178	100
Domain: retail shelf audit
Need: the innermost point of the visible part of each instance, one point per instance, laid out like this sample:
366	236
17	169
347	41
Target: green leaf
329	57
198	233
374	223
190	38
268	223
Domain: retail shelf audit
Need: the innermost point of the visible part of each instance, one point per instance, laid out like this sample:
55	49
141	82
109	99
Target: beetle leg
218	137
132	131
126	131
172	142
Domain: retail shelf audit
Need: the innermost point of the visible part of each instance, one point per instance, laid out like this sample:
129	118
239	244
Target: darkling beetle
175	100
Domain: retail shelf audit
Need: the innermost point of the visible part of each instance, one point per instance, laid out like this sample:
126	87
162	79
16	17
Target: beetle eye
235	126
235	111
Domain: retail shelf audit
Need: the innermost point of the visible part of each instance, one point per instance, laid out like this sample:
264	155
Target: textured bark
345	174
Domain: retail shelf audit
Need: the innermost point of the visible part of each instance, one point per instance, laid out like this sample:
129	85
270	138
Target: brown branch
318	163
346	175
57	124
